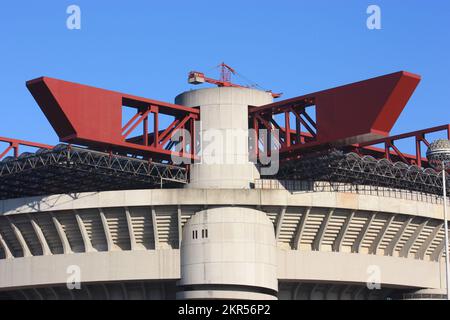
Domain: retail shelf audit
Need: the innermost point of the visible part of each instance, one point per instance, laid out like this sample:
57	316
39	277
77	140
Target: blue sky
148	47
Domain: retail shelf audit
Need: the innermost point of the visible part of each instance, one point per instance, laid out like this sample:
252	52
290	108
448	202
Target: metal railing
303	186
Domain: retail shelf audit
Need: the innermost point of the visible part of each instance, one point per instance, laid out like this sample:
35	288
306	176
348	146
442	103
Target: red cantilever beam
93	117
354	113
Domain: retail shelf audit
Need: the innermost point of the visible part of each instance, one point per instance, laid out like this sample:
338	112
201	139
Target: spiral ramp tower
227	232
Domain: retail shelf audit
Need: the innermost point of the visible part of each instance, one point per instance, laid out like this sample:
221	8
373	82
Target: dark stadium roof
336	166
67	169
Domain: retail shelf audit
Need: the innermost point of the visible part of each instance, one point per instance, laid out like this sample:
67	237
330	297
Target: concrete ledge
295	266
94	267
203	197
317	266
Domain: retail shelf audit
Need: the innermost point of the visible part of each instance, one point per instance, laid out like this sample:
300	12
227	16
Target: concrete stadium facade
127	243
226	235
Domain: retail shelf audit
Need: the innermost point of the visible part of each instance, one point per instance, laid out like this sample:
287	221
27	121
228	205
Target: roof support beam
55	294
280	222
109	240
301	228
391	247
180	227
36	291
144	291
163	289
155	228
72	293
329	291
404	252
106	290
343	232
343	291
130	229
62	235
88	291
24	294
377	242
357	292
439	251
84	235
322	230
124	290
313	291
359	240
26	251
8	254
420	254
296	291
40	235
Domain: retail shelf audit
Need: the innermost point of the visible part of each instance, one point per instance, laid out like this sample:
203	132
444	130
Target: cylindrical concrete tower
224	136
228	253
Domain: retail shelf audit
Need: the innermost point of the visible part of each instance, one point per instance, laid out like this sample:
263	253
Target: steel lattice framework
67	169
336	166
93	117
353	121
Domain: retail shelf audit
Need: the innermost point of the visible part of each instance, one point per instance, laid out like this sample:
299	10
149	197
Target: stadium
318	201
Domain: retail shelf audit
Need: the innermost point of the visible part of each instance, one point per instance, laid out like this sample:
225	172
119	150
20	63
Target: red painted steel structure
346	115
196	77
356	118
15	144
392	152
92	117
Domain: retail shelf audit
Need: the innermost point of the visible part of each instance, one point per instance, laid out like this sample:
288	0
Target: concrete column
224	136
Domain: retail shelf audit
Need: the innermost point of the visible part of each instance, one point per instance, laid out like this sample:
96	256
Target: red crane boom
196	77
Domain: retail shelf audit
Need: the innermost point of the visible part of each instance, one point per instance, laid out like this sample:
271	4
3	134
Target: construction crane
196	77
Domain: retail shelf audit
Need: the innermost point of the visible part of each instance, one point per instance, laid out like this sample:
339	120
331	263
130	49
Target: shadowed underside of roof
67	169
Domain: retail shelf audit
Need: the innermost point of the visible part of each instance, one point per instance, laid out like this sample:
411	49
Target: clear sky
147	48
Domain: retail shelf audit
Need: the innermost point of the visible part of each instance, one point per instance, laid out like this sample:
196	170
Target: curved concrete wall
228	247
224	136
95	267
313	231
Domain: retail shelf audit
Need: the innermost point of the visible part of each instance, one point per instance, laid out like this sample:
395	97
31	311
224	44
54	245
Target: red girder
345	115
355	118
391	151
93	117
15	144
